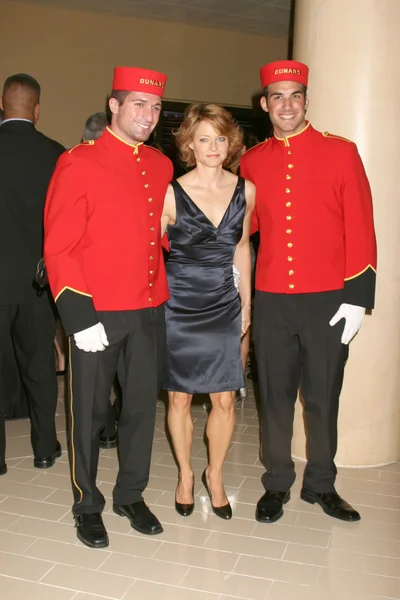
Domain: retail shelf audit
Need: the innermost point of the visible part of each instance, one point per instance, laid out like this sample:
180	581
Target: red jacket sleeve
360	241
64	226
245	172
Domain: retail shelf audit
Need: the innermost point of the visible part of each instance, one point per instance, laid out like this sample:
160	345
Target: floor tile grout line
69	510
284	552
48	585
48	496
30	545
12	524
47	572
108	553
186	572
129	589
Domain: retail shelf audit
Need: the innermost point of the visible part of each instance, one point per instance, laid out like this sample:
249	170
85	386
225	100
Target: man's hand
353	315
93	339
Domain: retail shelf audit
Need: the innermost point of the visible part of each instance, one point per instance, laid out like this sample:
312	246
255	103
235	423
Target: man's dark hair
119	95
23	80
94	126
302	87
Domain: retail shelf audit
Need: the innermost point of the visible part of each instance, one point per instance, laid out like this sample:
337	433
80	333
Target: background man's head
94	126
135	102
21	97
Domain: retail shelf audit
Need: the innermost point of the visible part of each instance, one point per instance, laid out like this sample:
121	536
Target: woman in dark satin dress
208	213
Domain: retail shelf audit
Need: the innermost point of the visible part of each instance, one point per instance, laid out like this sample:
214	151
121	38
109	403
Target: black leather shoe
185	510
48	461
90	530
3	469
270	506
332	504
108	442
140	517
224	512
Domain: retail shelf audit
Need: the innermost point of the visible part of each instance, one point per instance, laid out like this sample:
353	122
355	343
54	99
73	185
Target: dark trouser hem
296	347
124	497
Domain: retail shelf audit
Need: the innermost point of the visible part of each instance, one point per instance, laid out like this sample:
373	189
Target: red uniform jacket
102	230
314	214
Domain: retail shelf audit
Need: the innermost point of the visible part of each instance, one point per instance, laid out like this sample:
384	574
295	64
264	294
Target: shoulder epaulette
336	137
257	145
88	143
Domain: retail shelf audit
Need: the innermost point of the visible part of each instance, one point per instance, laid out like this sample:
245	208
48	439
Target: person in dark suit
27	161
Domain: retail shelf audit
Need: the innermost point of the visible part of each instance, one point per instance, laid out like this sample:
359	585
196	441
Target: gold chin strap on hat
136	146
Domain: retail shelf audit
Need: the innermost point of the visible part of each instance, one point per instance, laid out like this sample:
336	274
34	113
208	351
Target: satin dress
203	314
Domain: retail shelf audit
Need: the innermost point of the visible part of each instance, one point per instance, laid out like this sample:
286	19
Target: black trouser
140	336
295	346
114	409
32	329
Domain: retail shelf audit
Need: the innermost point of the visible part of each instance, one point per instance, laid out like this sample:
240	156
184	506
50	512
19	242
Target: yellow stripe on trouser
72	426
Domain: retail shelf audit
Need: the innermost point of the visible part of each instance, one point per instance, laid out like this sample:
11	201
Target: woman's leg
180	425
220	427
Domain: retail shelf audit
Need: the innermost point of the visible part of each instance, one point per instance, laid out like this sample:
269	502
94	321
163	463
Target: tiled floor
306	556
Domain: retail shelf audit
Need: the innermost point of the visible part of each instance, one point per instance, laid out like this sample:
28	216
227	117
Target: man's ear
114	105
264	105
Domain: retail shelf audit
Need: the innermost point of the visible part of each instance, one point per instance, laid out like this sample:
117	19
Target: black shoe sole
278	516
121	513
3	470
108	444
311	499
84	541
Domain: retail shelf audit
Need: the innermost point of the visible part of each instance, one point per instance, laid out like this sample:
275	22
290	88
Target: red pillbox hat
284	70
135	79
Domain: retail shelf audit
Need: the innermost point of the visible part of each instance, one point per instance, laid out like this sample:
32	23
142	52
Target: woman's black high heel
224	512
185	510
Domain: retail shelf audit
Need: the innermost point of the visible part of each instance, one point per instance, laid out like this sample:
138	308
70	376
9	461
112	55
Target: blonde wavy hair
223	123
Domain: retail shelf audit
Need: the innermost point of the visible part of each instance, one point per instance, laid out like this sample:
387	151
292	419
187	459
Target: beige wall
72	54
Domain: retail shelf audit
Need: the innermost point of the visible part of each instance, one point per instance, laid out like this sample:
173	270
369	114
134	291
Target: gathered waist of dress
203	256
215	264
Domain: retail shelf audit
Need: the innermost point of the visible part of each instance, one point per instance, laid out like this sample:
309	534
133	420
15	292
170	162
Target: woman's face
210	147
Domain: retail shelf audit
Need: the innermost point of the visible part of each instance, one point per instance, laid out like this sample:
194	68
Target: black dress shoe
3	469
108	442
224	512
91	531
332	504
270	506
48	461
185	510
140	517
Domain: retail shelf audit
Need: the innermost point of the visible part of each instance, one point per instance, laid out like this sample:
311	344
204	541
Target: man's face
287	106
135	119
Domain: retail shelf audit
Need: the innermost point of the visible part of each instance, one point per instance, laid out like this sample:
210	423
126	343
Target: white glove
92	339
354	316
236	277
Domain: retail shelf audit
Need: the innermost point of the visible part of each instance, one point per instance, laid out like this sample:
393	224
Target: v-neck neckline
203	213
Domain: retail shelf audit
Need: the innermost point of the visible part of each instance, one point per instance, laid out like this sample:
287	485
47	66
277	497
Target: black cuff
76	311
360	290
